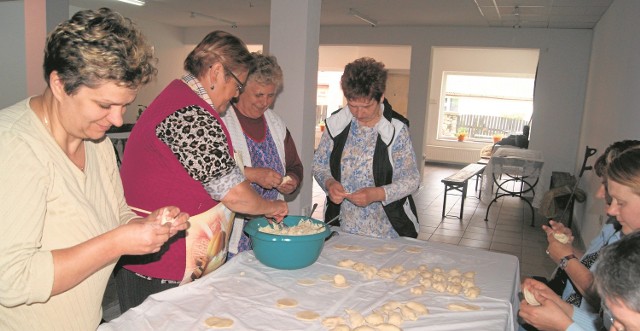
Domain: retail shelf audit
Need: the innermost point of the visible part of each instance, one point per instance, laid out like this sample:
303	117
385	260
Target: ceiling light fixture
233	24
359	15
133	2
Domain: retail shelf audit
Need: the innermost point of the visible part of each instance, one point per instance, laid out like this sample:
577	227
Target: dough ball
461	306
467	282
439	277
286	303
385	273
341	327
472	292
426	282
454	289
307	315
387	327
395	318
165	217
398	268
419	308
374	318
469	274
218	322
418	290
455	280
408	314
561	237
439	287
341	247
422	268
340	281
454	272
359	266
364	328
346	263
332	322
391	306
286	179
530	298
355	318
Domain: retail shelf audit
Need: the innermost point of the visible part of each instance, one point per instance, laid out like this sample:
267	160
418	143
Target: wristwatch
565	260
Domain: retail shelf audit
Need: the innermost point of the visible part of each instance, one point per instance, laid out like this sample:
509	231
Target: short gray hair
618	271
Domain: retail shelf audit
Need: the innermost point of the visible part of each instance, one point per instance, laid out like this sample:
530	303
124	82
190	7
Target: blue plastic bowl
285	252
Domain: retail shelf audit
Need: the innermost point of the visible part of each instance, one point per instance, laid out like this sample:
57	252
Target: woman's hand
365	196
557	227
546	316
147	235
278	210
288	186
265	177
336	191
557	250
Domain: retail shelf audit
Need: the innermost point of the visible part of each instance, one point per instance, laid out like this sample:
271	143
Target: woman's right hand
336	191
147	235
278	211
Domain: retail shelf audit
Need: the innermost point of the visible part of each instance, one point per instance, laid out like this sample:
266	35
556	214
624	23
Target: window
484	106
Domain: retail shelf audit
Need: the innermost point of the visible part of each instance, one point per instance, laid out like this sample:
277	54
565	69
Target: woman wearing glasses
180	151
263	141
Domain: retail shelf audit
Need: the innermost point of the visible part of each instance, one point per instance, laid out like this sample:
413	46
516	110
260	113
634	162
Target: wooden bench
458	182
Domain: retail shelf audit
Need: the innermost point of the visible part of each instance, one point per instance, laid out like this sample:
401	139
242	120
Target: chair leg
444	203
464	196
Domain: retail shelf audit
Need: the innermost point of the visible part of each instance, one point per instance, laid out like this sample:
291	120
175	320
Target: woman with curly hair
64	218
365	160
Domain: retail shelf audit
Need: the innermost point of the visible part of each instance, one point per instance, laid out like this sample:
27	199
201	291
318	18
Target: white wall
612	104
13	79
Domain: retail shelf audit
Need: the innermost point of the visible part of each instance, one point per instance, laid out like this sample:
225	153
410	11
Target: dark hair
364	78
618	270
218	46
95	46
600	166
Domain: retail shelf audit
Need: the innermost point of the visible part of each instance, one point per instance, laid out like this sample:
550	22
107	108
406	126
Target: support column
294	40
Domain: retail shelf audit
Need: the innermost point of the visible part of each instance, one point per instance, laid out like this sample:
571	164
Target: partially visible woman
365	161
576	273
180	151
63	214
261	139
623	187
616	280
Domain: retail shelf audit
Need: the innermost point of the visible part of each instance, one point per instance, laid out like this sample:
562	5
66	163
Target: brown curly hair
95	46
364	78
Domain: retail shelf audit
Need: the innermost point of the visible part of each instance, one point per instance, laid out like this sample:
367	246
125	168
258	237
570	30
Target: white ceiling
564	14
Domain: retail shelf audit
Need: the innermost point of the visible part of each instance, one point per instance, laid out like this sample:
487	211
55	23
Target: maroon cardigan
153	177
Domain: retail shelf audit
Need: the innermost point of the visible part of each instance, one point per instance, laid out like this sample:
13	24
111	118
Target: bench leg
464	196
444	203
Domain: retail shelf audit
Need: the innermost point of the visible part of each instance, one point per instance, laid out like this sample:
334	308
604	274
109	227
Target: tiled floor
507	231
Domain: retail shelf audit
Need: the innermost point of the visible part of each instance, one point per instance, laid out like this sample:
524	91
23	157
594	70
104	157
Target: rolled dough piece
307	315
306	282
218	322
461	306
287	303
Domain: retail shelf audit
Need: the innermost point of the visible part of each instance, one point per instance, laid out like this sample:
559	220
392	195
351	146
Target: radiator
435	153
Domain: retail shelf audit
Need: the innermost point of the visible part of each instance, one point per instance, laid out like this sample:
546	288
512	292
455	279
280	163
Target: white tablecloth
516	162
246	291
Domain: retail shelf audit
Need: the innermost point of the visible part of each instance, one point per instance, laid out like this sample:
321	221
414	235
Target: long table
246	291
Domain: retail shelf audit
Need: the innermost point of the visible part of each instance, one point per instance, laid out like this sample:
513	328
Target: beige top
47	203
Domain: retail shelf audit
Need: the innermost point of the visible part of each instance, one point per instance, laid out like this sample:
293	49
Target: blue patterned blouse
357	173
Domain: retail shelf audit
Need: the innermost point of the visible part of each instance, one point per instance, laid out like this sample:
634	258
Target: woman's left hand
287	187
365	196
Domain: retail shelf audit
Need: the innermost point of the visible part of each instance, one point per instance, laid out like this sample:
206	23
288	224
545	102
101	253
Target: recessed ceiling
564	14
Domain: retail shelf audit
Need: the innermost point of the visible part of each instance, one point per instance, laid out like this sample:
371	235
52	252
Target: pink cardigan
153	178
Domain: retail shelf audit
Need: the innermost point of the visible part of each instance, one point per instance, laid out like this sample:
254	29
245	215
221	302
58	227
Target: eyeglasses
607	317
239	85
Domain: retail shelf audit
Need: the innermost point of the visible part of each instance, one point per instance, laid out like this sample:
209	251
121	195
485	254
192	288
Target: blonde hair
95	46
625	169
